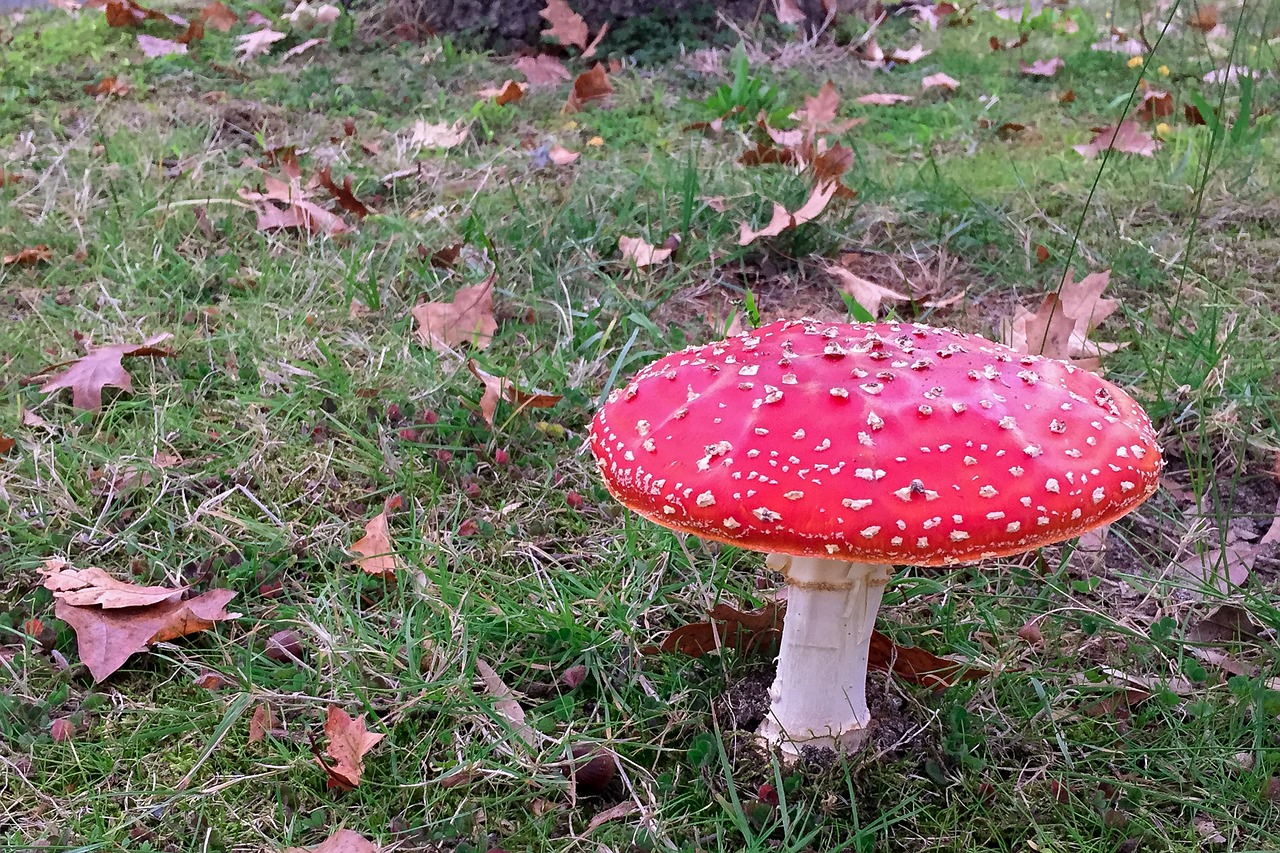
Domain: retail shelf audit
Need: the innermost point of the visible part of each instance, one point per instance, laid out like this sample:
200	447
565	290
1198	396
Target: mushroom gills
818	697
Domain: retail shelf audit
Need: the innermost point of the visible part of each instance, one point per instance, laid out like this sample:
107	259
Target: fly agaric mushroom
841	450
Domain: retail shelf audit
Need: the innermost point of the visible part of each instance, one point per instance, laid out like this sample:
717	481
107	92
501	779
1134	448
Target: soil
898	728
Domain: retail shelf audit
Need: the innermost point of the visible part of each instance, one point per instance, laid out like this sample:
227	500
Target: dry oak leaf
639	252
218	16
108	86
782	220
156	47
343	195
940	81
28	256
342	841
440	135
257	42
467	319
349	740
377	555
500	388
542	71
1042	67
106	638
508	93
567	27
100	367
589	86
93	586
1060	326
1126	137
882	99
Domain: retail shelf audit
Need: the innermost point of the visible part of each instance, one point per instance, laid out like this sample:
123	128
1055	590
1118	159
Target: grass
294	420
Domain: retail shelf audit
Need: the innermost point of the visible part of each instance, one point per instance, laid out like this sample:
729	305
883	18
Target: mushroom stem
819	695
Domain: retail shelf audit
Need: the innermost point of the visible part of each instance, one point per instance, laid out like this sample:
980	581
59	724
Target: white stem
819	695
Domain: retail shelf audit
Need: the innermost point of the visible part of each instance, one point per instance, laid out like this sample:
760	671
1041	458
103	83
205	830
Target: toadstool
842	450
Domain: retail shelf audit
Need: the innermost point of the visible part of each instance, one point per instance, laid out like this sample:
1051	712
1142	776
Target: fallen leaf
1204	17
500	388
882	99
342	194
439	135
156	47
562	156
789	12
7	178
299	49
508	93
218	16
939	81
1155	105
542	71
1124	700
62	730
818	117
100	367
28	256
257	42
113	86
106	639
908	56
261	723
126	13
759	632
93	586
1219	567
1060	327
7	443
342	841
1042	67
1120	43
589	86
636	250
996	44
301	215
468	318
866	293
1046	332
505	703
567	27
1230	74
622	809
784	221
1226	623
349	741
377	554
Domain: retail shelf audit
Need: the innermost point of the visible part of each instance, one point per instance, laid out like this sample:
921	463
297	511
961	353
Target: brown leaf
7	178
349	740
126	13
62	730
6	443
299	49
760	631
29	256
908	56
440	135
1226	623
467	319
789	12
622	809
102	366
562	156
1046	332
866	293
636	250
108	86
218	16
261	723
941	81
1042	67
257	42
1204	17
93	586
1042	254
1123	700
500	388
882	99
342	841
1060	327
1127	137
567	27
505	702
589	86
818	117
542	71
155	47
1154	105
107	638
508	93
1219	567
342	194
378	555
784	221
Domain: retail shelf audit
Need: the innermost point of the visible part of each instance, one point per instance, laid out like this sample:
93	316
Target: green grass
290	416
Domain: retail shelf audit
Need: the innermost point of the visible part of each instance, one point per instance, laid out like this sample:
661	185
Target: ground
300	399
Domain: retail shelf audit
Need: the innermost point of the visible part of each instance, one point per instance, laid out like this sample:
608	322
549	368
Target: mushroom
842	450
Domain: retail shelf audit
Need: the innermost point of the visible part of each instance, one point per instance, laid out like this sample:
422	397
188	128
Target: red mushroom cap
881	443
